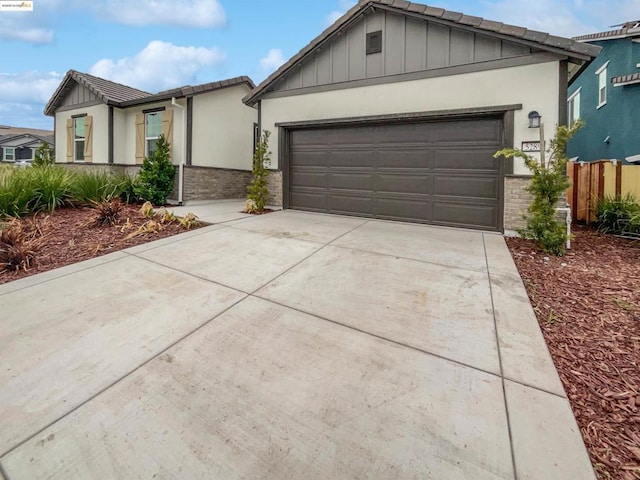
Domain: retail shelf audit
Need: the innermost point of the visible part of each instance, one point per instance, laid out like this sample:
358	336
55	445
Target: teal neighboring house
606	96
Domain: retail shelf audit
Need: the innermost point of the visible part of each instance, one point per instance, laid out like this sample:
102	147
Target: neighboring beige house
211	132
395	112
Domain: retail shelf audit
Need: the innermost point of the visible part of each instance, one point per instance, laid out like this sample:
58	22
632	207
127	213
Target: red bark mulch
588	307
69	235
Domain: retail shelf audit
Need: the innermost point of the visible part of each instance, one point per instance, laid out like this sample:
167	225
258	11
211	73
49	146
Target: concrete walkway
288	345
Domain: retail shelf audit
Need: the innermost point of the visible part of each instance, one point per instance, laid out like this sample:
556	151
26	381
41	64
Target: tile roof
630	79
189	90
628	29
543	40
113	93
6	130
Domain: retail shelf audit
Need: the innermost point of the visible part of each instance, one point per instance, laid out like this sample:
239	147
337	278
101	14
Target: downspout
184	151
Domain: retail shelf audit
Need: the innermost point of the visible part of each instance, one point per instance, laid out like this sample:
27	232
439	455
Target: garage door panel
405	209
464	215
406	157
353	181
306	178
432	172
315	200
402	134
471	159
350	158
311	158
351	203
468	188
405	183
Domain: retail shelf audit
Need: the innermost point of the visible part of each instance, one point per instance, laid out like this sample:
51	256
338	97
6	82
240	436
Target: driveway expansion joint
504	390
118	380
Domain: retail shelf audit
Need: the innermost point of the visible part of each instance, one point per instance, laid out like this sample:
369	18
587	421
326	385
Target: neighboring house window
573	106
78	138
602	84
152	130
9	154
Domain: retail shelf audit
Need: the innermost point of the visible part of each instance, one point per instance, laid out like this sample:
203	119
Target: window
573	107
152	130
9	154
602	84
78	138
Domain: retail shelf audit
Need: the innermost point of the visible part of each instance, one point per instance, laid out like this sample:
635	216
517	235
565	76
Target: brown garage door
440	172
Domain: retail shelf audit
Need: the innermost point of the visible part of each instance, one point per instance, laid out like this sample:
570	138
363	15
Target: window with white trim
573	108
152	130
78	139
9	154
602	84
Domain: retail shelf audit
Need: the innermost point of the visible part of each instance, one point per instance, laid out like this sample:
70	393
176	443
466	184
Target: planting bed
69	235
588	307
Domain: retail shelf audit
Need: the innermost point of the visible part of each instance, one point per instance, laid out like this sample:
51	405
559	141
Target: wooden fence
593	181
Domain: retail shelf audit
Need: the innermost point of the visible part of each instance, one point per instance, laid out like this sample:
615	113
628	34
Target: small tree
44	156
154	183
547	185
258	190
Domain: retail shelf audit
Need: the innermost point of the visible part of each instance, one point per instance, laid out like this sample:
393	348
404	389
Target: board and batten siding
535	86
78	94
100	132
408	45
223	129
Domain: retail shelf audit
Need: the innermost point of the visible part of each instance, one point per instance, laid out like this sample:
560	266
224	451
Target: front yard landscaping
588	307
70	235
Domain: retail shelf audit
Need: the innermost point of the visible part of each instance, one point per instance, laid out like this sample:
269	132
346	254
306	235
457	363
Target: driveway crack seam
306	258
3	473
379	337
504	391
118	380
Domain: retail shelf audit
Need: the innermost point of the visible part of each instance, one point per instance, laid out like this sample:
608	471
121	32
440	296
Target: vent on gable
374	42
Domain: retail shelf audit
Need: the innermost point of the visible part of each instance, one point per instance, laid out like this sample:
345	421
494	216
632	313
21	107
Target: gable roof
627	29
544	41
7	130
109	92
119	95
29	138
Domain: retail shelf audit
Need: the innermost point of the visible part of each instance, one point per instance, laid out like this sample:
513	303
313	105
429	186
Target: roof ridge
84	74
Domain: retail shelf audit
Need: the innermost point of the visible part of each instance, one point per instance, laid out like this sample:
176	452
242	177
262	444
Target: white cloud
180	13
273	60
159	66
28	87
557	18
336	14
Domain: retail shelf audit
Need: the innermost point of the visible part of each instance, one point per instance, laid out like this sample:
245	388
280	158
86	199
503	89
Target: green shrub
44	156
126	187
17	191
258	191
548	183
53	187
89	187
618	215
155	180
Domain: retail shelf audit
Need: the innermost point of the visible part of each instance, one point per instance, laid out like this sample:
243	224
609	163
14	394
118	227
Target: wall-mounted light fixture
607	139
534	119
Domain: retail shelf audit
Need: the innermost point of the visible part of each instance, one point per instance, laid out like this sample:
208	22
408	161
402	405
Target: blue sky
158	44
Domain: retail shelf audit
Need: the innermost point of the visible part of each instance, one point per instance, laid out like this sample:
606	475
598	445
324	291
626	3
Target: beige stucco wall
223	129
120	137
127	135
536	87
100	114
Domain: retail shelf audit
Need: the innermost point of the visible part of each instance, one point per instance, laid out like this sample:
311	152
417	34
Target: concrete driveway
285	346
